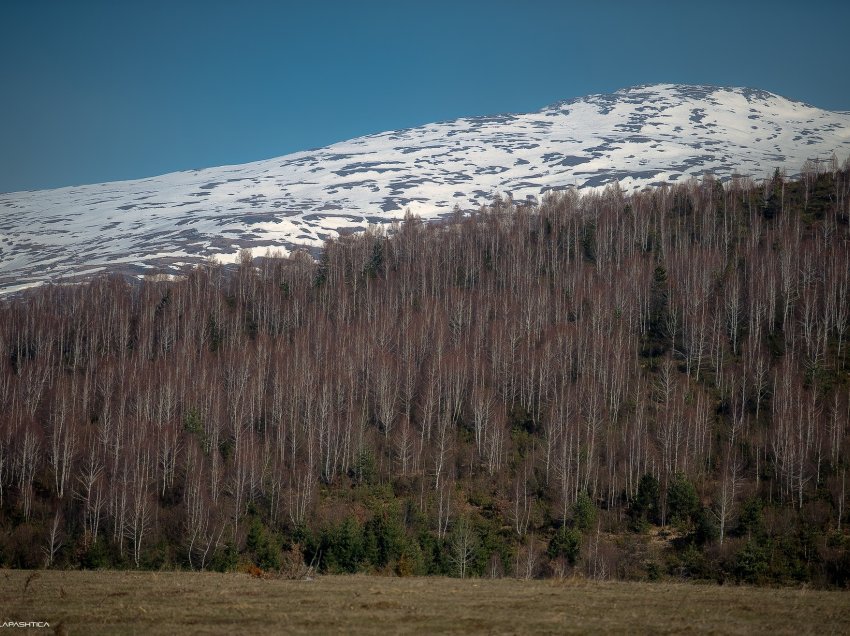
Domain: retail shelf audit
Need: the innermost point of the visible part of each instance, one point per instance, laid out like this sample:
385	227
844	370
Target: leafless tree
464	543
55	539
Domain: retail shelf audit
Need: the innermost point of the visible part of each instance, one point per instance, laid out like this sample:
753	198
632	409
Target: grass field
108	602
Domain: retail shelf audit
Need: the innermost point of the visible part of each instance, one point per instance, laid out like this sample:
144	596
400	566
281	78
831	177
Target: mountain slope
637	136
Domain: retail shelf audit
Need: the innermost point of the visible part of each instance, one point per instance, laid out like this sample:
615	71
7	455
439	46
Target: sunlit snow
638	137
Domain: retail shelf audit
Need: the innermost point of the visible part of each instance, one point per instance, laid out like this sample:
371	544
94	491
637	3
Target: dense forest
644	386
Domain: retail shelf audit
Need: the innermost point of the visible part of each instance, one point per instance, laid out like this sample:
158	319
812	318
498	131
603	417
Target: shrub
751	563
584	513
645	506
566	543
383	538
343	546
225	559
682	503
751	519
97	556
262	547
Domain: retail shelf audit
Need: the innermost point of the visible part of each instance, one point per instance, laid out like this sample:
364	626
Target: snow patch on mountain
638	136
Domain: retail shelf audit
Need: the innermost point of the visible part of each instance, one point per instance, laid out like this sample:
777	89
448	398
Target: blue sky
97	91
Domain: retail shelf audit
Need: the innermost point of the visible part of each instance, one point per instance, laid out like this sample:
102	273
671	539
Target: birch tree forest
643	386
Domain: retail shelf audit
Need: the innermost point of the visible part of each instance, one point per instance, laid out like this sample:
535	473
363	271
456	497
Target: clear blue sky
96	91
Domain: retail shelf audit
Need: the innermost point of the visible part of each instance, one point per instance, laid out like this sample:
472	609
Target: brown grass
186	602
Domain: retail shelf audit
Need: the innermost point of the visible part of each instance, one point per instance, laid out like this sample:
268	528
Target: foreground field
108	602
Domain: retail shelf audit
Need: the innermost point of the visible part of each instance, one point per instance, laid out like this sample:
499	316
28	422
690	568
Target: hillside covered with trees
644	386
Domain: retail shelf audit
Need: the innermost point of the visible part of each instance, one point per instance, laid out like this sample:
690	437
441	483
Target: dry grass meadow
107	602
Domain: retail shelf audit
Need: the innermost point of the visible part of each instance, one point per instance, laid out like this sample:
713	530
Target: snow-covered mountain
637	136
